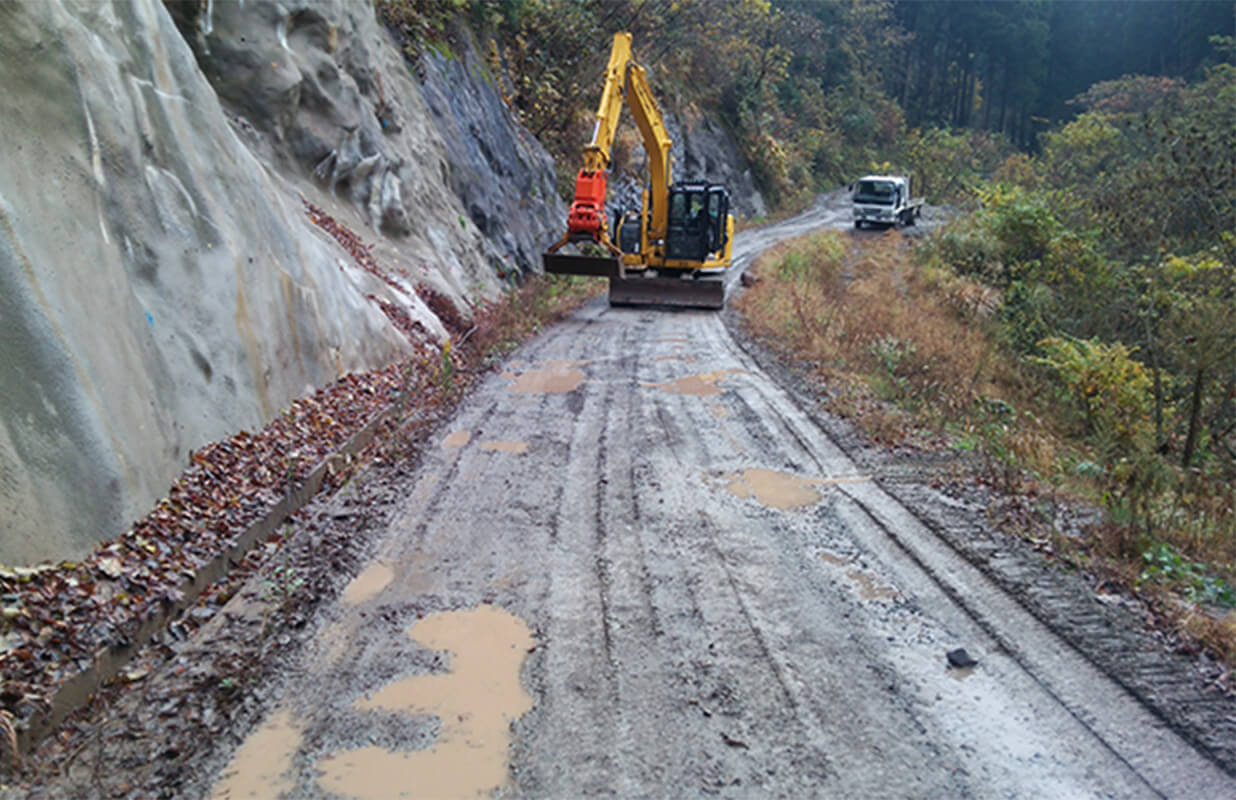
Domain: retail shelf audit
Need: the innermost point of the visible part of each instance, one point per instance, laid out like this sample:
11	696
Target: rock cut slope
160	283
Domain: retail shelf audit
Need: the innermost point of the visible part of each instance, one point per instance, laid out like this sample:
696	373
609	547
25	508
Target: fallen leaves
56	617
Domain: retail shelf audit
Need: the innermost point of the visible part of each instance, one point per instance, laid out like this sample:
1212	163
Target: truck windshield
875	192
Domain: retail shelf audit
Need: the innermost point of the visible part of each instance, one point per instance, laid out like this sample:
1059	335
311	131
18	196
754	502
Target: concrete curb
77	690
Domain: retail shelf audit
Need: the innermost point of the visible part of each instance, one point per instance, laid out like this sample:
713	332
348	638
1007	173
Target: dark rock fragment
960	659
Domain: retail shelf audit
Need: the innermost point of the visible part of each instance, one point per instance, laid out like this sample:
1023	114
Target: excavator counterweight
675	248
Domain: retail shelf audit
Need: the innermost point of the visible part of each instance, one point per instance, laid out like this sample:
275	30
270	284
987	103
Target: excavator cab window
697	216
718	215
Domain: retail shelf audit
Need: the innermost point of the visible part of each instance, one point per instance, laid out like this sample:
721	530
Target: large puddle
365	586
782	490
262	768
555	379
704	385
476	702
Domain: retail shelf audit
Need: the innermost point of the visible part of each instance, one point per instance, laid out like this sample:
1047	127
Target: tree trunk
1195	415
1152	354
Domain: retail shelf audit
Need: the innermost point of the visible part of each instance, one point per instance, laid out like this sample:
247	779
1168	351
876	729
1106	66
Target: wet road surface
633	567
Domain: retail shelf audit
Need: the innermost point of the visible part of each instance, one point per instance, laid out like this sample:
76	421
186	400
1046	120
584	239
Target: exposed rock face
701	151
160	284
500	174
322	94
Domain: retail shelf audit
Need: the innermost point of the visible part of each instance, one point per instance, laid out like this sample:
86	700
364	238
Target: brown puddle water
476	702
457	439
703	385
960	673
554	380
780	490
783	490
372	579
516	448
262	767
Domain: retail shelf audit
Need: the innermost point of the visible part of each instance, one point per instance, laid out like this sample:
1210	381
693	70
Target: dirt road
637	548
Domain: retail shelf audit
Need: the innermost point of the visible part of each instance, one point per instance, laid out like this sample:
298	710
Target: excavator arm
623	79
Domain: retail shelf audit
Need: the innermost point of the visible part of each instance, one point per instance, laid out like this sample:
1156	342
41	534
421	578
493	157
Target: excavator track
686	291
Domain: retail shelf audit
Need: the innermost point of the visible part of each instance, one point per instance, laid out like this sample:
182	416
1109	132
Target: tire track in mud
581	680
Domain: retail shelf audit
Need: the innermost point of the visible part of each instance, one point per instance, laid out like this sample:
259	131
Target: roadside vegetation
1077	329
814	92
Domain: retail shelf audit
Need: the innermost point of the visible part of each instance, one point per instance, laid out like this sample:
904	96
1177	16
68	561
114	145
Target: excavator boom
673	249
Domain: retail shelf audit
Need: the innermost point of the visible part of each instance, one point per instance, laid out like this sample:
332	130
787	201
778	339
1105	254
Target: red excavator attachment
587	214
585	223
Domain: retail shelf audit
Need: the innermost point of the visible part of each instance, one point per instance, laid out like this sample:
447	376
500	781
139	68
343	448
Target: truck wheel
910	217
858	224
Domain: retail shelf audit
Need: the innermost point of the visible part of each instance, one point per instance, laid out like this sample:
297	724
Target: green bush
1111	390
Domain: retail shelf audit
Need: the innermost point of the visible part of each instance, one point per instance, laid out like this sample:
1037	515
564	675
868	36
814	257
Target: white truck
884	200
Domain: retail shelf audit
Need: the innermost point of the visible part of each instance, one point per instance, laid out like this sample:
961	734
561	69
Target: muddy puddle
780	490
703	385
457	439
514	448
555	379
365	586
262	768
476	701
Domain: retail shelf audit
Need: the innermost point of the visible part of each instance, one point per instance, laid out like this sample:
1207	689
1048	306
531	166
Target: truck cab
883	200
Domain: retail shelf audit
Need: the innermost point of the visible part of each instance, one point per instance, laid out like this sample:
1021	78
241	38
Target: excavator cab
697	225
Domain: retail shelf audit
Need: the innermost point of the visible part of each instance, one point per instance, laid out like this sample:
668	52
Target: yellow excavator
675	249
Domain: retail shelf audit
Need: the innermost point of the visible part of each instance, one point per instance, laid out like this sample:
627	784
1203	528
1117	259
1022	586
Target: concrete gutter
77	690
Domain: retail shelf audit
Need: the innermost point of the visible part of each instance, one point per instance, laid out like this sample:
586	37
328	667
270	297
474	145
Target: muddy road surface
632	566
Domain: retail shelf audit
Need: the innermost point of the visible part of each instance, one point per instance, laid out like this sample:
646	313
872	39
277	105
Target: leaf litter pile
58	617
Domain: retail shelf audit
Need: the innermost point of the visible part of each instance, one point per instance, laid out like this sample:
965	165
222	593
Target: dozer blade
560	264
687	292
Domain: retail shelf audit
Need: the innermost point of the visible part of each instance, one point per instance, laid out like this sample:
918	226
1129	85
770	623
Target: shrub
1112	390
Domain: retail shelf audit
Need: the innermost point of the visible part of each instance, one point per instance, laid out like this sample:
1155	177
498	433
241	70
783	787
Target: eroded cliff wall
160	283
